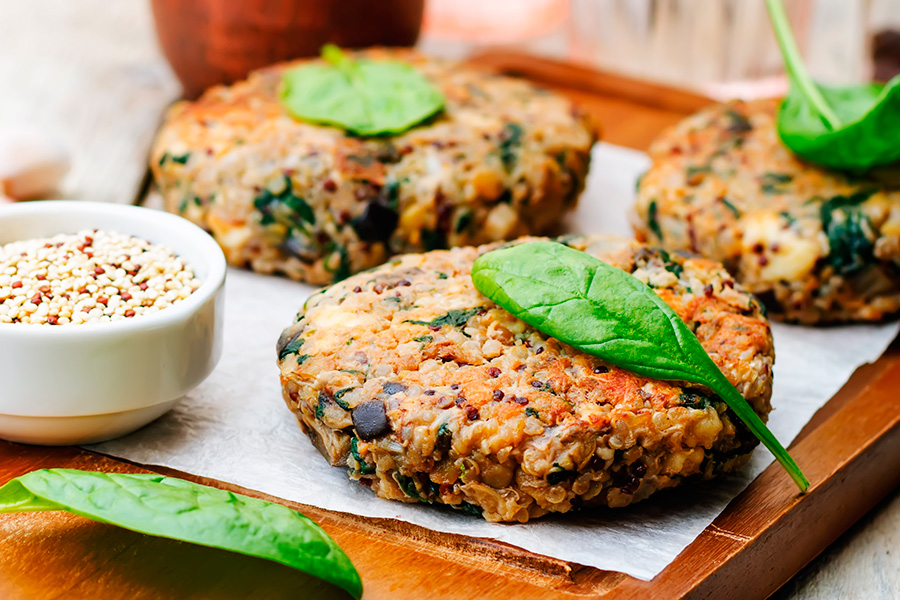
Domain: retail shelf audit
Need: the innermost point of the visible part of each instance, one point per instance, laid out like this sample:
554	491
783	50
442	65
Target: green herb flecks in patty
454	318
364	467
510	141
284	207
693	400
850	233
558	474
773	183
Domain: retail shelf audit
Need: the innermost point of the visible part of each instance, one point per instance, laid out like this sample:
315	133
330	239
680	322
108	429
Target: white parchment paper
235	427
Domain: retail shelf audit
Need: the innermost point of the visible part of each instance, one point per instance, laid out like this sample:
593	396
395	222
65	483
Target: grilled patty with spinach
426	391
816	245
317	204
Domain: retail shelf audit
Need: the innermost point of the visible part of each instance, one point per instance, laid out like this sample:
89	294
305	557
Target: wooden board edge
590	79
770	532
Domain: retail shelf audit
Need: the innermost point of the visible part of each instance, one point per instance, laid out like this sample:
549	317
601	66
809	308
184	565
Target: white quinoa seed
92	276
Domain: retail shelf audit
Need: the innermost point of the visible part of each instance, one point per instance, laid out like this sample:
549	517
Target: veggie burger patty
816	245
315	203
428	392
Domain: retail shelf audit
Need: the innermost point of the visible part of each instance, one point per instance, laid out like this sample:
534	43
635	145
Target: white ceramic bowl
76	384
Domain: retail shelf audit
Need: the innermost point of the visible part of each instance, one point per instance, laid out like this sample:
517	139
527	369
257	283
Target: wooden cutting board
850	451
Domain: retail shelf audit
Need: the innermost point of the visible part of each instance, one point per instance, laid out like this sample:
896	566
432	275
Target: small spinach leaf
364	467
730	206
365	97
284	207
607	313
692	400
510	141
408	485
292	347
189	512
850	249
850	233
848	128
653	219
558	474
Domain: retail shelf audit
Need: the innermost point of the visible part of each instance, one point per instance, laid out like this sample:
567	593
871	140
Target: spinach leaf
653	219
510	141
455	318
364	467
285	207
607	313
847	128
772	183
850	249
730	206
558	474
336	253
339	397
365	97
698	401
292	347
850	235
189	512
408	485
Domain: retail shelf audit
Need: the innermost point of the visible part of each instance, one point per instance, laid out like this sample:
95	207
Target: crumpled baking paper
236	428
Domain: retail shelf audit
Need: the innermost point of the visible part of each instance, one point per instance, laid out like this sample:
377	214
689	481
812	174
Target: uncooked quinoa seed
89	277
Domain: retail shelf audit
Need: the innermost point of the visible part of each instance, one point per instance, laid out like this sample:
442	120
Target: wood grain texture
851	449
90	72
852	458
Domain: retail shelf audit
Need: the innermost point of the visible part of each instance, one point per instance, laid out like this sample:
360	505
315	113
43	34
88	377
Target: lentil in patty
428	392
503	159
816	245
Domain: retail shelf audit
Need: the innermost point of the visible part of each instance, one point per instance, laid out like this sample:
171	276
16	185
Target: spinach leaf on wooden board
607	313
847	128
189	512
365	97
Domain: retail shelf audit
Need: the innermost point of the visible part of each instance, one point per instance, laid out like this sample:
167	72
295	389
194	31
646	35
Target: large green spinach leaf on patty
608	313
365	97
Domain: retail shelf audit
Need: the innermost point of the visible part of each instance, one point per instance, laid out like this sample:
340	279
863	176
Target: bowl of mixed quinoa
108	316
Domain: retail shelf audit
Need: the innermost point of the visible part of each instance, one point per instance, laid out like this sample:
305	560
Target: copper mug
208	42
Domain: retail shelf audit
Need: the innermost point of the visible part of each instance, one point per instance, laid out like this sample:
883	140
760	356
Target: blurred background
98	74
724	48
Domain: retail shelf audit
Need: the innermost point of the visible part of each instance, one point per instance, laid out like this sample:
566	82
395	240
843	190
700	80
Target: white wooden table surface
91	71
